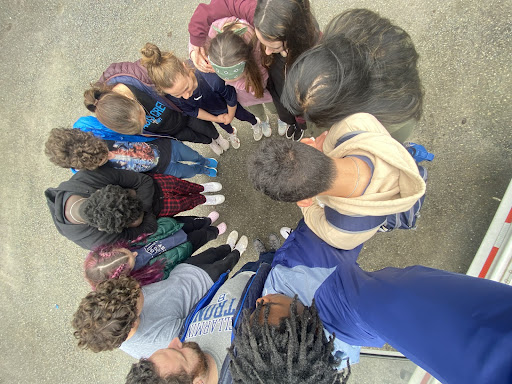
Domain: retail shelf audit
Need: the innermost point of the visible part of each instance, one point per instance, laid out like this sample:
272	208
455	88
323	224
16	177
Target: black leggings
198	230
215	261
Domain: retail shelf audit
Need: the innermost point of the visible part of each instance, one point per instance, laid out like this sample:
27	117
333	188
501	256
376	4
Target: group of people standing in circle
302	311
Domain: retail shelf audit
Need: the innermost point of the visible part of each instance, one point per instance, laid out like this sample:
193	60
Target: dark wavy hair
105	316
296	351
286	170
144	372
111	209
73	148
288	21
107	262
363	63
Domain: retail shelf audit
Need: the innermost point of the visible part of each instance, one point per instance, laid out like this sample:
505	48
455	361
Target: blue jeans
182	152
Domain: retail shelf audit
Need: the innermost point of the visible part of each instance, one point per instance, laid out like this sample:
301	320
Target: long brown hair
164	68
115	111
288	21
227	49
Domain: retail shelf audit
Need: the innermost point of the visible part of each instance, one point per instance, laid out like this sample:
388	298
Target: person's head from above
285	27
232	58
110	261
112	209
328	83
179	363
291	345
292	348
73	148
106	316
290	171
116	111
169	74
363	63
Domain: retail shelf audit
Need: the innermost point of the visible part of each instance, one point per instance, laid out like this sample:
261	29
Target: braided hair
109	262
296	351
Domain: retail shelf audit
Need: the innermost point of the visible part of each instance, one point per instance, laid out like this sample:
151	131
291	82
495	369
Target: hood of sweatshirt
396	183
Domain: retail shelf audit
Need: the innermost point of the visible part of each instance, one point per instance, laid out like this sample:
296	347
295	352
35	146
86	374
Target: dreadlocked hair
110	261
296	351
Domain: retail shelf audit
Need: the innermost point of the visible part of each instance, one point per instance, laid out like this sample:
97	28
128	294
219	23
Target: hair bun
151	53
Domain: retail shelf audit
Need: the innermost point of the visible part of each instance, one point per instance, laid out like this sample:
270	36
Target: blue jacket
456	327
93	125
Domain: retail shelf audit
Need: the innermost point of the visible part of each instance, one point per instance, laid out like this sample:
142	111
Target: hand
200	60
317	143
223	119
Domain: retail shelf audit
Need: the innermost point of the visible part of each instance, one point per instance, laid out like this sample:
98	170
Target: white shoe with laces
222	142
265	128
233	139
215	147
212	186
214	199
257	133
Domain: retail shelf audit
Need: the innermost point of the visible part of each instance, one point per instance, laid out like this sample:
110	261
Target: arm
203	115
206	14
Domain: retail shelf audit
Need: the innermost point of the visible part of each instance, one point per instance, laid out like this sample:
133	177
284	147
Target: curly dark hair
73	148
296	351
111	209
105	316
144	372
363	63
286	170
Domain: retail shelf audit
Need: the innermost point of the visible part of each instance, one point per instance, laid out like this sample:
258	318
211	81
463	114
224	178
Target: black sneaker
290	132
298	135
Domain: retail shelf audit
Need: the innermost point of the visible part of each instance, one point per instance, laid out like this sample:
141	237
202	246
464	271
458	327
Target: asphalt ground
52	50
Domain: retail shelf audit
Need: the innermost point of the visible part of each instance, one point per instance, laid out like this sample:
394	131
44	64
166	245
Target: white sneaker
222	142
265	128
232	238
216	148
241	246
233	139
282	127
285	232
256	130
212	186
214	199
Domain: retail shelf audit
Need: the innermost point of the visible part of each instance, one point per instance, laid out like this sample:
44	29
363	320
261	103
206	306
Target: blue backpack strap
347	136
352	224
204	302
407	219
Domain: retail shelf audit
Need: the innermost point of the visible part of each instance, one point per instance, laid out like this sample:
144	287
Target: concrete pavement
52	50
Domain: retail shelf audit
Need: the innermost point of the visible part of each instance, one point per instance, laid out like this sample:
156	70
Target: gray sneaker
259	246
273	242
